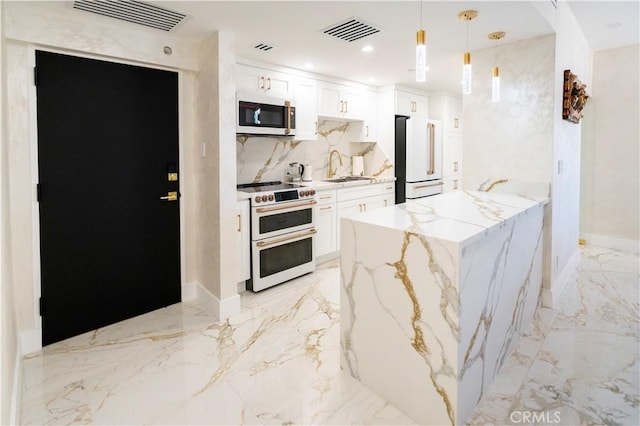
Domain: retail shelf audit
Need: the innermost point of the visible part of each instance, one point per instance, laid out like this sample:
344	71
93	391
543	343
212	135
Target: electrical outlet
203	150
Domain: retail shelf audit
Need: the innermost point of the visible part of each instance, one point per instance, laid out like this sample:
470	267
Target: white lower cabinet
344	202
243	241
388	194
326	223
451	183
360	205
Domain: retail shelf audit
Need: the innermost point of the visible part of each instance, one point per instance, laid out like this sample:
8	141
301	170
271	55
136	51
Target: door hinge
35	76
37	192
40	307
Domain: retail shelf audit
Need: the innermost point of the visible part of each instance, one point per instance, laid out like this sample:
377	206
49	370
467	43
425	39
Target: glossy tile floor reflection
278	362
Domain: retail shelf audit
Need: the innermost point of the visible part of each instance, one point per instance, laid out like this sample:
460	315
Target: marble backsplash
262	159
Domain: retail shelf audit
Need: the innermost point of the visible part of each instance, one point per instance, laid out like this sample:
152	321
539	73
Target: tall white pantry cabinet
448	109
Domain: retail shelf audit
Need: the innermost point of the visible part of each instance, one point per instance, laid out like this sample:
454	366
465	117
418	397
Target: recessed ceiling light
614	25
367	48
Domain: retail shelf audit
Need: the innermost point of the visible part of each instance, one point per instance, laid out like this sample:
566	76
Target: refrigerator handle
432	148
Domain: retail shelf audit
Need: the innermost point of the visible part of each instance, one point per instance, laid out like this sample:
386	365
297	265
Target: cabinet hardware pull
269	81
341	106
281	240
346	107
316	132
287	206
367	132
239	223
262	82
326	197
455	184
288	105
326	208
455	123
427	186
455	166
432	147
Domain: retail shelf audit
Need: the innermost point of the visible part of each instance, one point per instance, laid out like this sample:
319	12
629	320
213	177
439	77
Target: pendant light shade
495	85
421	56
467	15
466	73
495	74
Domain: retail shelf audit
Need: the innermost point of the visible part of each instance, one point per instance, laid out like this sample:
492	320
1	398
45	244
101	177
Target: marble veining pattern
262	159
278	361
450	306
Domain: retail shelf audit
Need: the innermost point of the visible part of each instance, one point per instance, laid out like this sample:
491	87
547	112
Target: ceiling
294	28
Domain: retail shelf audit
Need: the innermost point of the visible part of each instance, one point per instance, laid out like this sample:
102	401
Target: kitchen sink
343	179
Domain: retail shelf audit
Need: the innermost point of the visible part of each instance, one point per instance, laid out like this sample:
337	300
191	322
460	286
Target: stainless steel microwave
263	115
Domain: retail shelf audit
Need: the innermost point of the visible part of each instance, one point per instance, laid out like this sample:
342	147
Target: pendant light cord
467	33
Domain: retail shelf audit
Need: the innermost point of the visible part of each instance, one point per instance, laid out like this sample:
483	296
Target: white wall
609	207
510	139
9	350
573	53
216	175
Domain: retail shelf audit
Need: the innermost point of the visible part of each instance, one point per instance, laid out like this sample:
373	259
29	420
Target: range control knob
312	192
270	197
258	199
264	198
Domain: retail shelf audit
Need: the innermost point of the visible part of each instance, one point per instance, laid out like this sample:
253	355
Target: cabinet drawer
388	188
353	193
326	197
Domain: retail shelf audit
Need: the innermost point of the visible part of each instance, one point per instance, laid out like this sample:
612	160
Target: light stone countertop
461	217
321	185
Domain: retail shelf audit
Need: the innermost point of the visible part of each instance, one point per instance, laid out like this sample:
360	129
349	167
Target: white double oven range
282	232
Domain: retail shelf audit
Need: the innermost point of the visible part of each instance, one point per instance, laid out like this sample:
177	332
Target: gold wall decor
574	97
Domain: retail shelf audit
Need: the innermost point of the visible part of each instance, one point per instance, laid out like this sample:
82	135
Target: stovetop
275	192
265	186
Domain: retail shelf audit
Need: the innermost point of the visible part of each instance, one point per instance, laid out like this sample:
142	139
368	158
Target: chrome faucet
331	172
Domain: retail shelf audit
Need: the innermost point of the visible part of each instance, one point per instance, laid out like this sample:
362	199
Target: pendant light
467	15
421	52
495	79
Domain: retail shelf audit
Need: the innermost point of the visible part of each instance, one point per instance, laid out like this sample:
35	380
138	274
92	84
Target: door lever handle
171	196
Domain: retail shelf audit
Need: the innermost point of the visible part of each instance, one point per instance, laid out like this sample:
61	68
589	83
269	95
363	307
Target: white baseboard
30	341
220	309
551	296
16	393
189	292
630	246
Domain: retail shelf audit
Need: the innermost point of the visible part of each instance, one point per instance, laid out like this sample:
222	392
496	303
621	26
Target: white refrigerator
418	149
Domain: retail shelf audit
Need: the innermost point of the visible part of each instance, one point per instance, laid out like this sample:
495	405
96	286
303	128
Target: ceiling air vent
133	11
351	29
264	47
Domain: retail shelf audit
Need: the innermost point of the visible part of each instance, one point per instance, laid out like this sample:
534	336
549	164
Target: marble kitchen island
434	295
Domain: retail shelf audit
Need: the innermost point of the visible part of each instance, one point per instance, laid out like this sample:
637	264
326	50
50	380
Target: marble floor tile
277	362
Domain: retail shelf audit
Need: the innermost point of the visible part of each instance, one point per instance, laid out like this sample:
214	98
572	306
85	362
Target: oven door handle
286	238
286	206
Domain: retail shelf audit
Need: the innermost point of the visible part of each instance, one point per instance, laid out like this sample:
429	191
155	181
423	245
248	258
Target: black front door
107	143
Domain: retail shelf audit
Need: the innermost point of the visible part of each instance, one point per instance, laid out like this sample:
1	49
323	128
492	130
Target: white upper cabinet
448	109
370	125
411	104
265	81
306	102
339	101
